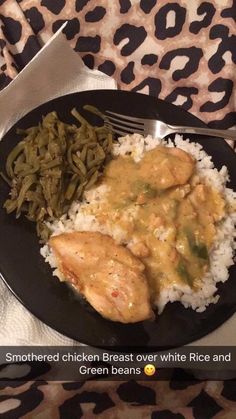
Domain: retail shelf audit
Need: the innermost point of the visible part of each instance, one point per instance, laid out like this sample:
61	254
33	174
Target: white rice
222	252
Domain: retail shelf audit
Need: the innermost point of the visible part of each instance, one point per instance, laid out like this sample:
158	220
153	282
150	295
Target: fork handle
222	133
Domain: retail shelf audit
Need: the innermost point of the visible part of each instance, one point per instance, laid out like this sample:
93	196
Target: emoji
149	369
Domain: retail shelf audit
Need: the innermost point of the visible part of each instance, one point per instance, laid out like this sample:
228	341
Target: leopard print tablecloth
181	51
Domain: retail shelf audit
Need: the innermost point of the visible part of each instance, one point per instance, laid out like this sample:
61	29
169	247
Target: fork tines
122	124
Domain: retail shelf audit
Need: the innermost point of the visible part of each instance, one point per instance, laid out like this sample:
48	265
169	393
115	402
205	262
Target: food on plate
132	224
170	207
53	165
108	275
173	214
165	167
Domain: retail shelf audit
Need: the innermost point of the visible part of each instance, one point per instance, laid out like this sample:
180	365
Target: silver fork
123	125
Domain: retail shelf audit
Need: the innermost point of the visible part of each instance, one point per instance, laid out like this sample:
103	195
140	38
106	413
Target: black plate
31	280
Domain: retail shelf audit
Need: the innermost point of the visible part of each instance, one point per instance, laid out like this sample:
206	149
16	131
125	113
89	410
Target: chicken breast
108	275
165	167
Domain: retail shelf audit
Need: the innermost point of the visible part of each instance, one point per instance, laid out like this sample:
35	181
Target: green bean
72	187
79	117
27	183
97	160
91	133
90	157
26	169
78	162
92	180
53	165
79	190
12	156
93	110
91	171
18	162
49	165
42	139
70	161
110	141
10	205
101	153
83	153
32	210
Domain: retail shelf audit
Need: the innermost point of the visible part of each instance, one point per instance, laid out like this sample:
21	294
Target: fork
123	125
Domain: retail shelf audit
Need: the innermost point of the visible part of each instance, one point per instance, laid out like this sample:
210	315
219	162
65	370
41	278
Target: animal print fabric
181	51
172	399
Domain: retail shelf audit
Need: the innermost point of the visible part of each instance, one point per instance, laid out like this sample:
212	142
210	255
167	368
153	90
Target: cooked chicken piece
139	249
180	154
214	203
165	167
108	275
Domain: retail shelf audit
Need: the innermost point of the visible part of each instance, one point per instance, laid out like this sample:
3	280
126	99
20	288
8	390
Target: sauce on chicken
166	213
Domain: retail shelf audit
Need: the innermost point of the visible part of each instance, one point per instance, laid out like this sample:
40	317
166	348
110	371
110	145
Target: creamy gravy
168	214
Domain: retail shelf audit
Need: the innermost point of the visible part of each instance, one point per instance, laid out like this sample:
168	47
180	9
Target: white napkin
55	71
